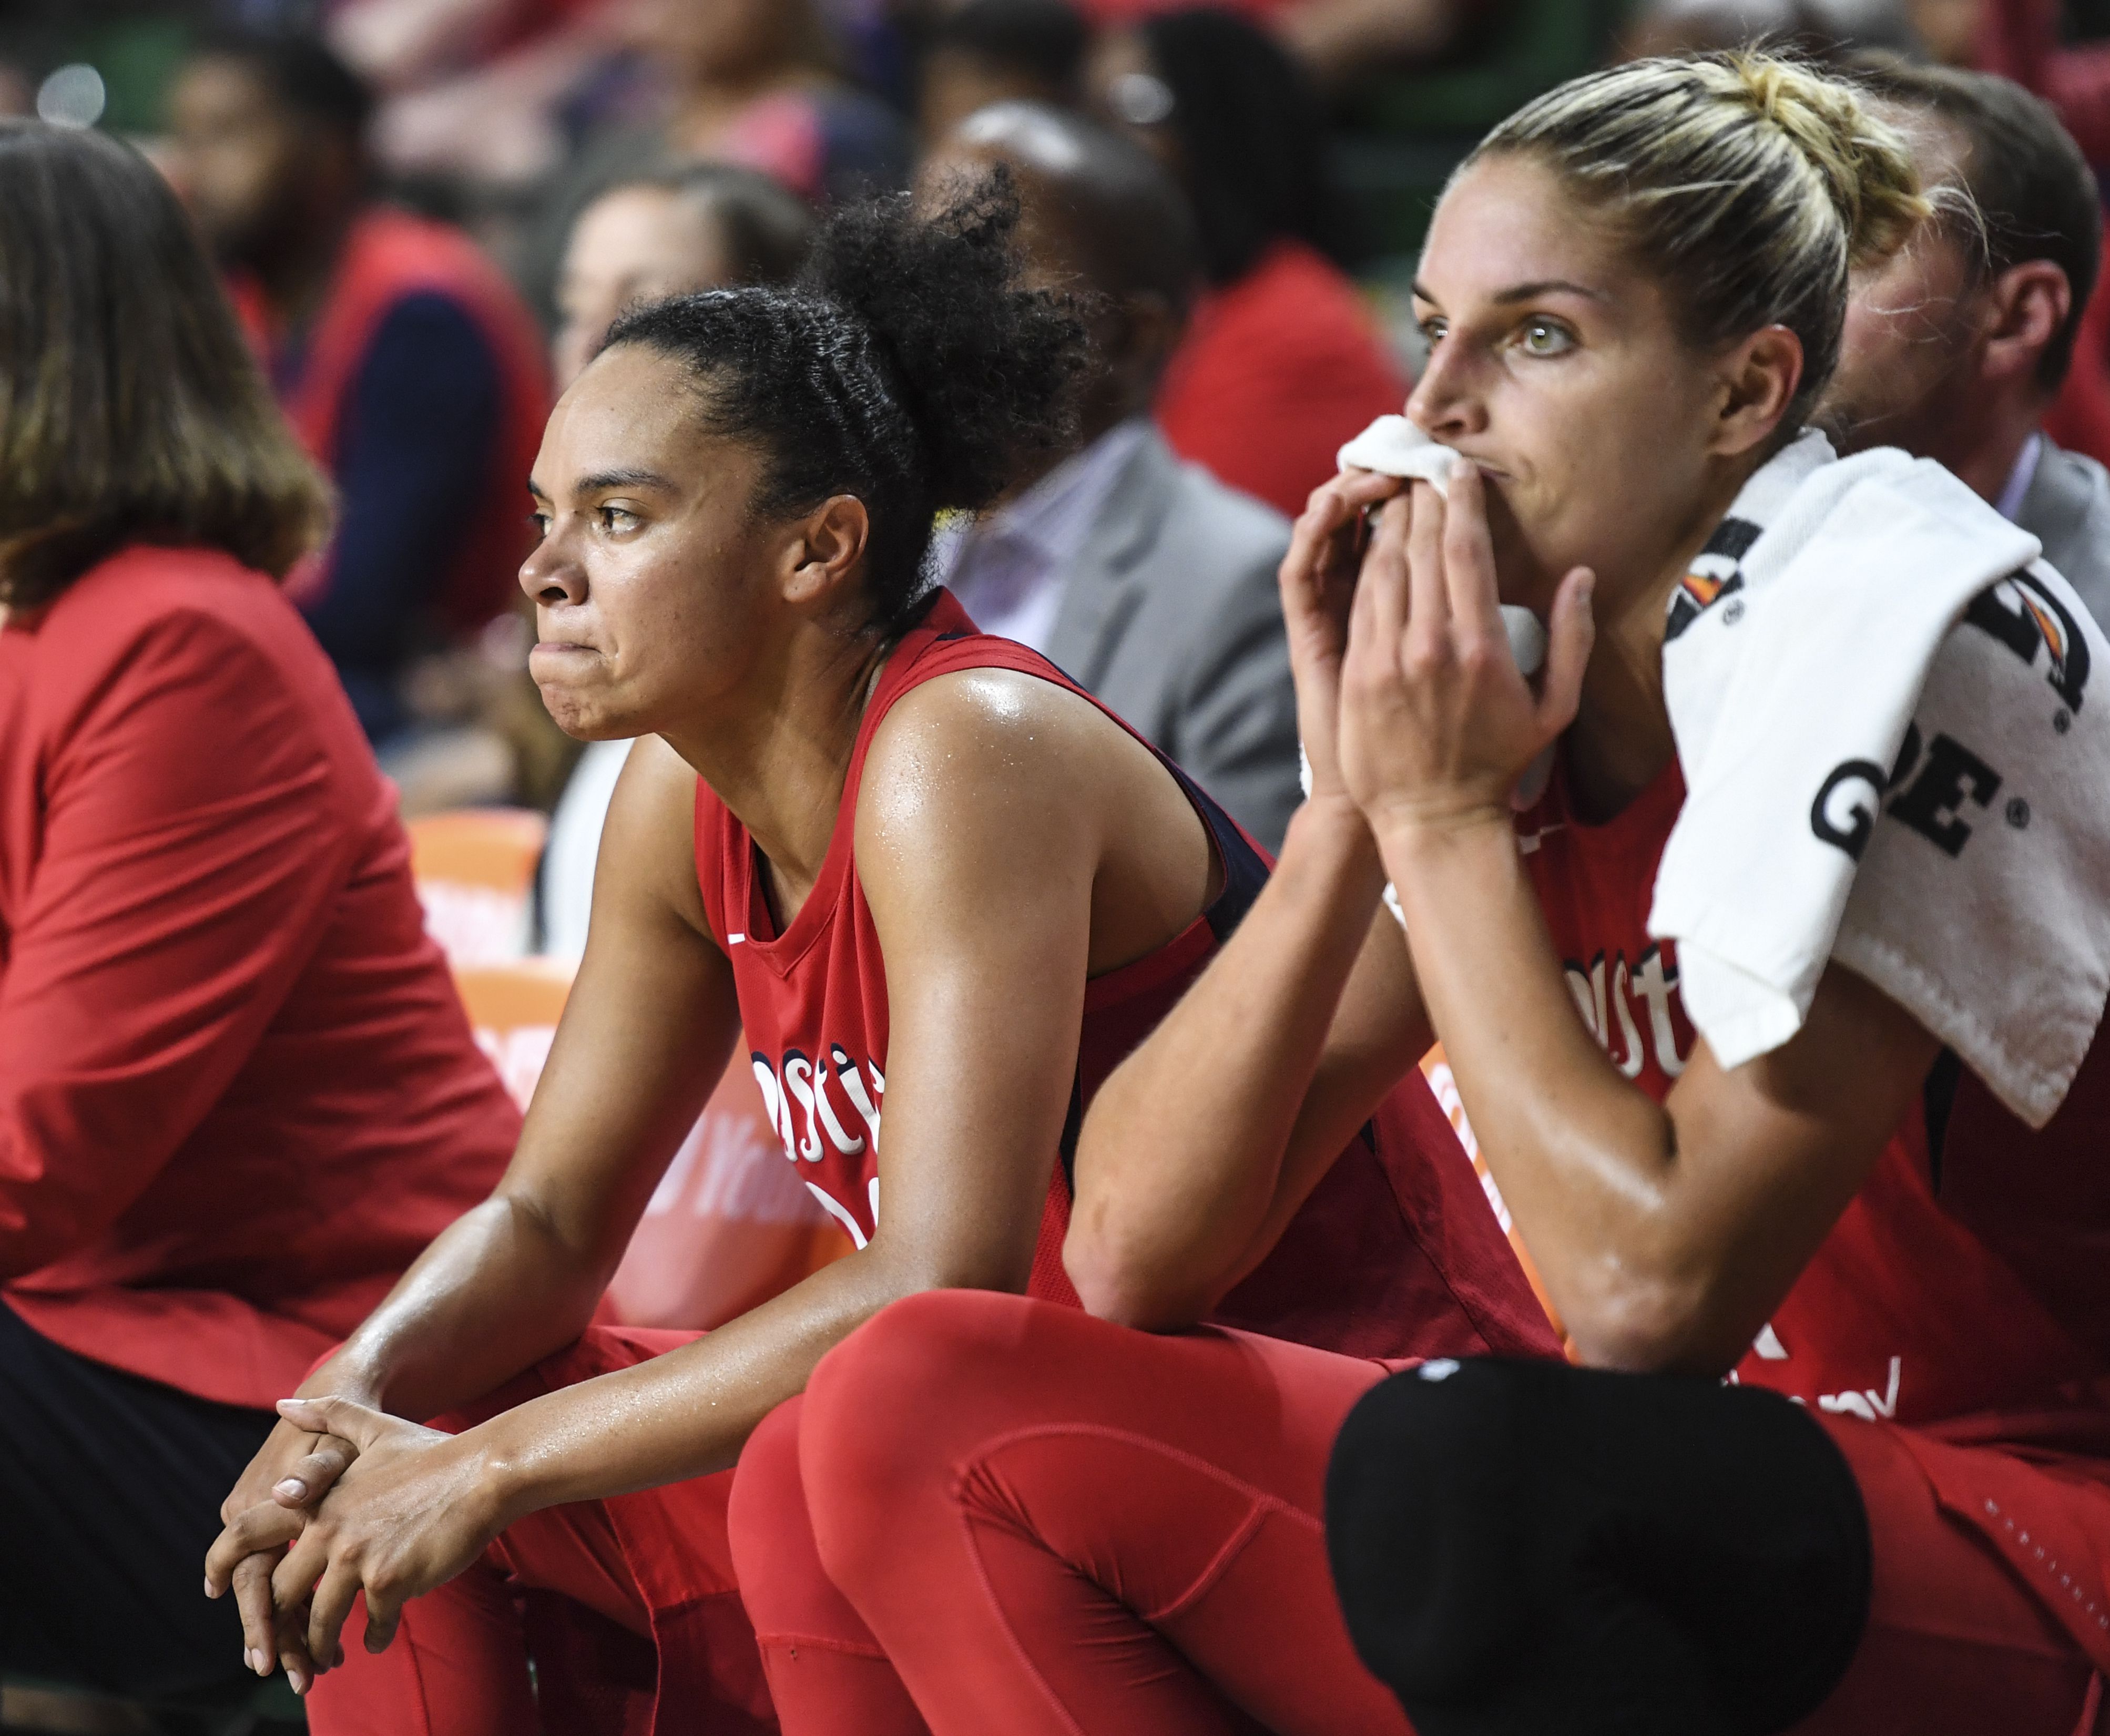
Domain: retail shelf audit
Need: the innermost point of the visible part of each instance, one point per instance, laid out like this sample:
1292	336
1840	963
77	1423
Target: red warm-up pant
1023	1519
628	1607
1072	1527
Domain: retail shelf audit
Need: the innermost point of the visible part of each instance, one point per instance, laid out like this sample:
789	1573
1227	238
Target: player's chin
584	717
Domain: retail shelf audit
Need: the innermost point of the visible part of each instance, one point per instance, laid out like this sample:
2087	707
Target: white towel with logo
1894	755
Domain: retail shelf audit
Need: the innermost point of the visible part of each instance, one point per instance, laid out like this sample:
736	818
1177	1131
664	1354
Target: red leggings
628	1607
1045	1523
1052	1524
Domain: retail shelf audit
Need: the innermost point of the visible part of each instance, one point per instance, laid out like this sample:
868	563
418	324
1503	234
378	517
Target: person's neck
1094	427
777	751
1999	431
1621	740
296	277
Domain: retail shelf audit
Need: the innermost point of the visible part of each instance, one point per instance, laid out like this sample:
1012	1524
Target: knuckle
1477	657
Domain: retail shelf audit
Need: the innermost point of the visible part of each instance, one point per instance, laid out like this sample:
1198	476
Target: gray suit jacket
2067	508
1171	616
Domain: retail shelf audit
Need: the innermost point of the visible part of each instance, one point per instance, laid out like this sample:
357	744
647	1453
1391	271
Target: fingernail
258	1663
292	1489
209	1591
298	1678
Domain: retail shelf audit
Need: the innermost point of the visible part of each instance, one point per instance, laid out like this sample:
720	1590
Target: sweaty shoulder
981	747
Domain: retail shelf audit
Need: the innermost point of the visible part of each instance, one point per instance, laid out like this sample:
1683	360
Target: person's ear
2026	306
1758	380
825	549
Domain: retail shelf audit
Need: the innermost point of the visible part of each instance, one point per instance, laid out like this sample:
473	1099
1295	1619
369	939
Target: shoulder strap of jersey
720	847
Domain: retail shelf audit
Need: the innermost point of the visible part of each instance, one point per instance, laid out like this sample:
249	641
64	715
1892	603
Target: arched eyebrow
601	481
1530	291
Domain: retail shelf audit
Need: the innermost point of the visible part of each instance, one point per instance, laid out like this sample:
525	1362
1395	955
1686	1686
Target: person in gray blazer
1955	349
1145	579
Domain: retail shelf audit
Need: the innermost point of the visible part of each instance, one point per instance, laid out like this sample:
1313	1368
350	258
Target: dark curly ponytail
907	368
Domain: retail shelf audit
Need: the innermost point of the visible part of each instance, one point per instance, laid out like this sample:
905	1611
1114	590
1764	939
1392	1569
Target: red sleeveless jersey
1395	1254
1972	1273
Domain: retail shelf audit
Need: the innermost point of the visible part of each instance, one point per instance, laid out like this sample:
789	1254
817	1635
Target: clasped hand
1412	706
377	1505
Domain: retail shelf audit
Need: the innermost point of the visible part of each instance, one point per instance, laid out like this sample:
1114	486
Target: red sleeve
196	834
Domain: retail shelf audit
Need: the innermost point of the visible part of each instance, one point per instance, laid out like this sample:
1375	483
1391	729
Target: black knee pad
1432	1517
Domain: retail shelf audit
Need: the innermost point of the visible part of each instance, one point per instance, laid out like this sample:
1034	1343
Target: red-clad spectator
411	370
237	1094
1282	362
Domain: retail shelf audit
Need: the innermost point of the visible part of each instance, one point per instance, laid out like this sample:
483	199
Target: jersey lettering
823	1120
1614	1000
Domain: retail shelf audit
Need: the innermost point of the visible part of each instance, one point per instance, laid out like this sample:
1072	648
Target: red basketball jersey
1972	1273
1354	1273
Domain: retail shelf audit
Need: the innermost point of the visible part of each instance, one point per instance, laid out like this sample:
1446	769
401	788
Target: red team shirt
238	1094
1965	1291
1354	1273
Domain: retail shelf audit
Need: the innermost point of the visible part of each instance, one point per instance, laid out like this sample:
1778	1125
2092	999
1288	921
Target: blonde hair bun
1865	163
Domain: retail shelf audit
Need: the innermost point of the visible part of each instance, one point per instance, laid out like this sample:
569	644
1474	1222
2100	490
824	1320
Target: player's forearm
687	1413
1181	1156
496	1292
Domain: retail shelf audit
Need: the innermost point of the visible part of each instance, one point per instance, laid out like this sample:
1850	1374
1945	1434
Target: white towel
1393	446
1891	757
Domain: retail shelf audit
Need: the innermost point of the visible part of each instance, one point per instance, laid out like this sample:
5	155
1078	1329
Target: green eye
1543	337
1432	331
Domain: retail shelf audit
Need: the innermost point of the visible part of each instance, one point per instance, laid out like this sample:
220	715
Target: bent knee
897	1371
1430	1498
890	1410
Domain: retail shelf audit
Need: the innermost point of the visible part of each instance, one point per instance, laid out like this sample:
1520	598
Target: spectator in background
1339	41
472	91
400	354
752	82
671	230
238	1093
1283	361
1957	345
1145	580
1819	27
698	227
756	82
999	51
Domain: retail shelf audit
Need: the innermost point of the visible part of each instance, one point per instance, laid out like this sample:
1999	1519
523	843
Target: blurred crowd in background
428	211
